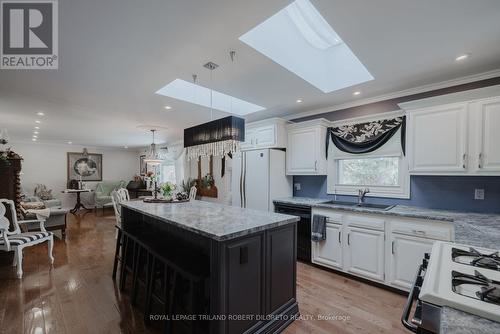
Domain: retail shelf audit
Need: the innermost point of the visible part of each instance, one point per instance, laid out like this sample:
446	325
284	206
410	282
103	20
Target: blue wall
436	192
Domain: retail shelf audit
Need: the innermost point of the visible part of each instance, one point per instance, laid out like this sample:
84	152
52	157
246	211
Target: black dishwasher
303	227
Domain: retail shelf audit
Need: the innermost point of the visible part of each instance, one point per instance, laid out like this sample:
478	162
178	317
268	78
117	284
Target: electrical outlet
297	186
479	194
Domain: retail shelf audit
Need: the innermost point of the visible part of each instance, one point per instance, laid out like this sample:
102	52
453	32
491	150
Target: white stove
458	276
464	278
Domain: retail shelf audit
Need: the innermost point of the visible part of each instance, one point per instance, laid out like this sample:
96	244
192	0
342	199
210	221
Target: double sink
382	207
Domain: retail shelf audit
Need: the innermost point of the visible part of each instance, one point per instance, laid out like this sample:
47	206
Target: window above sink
384	171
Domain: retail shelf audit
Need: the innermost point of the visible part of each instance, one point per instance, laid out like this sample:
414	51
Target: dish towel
42	214
318	228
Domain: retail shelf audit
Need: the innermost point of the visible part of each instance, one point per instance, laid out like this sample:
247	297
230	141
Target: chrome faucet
361	195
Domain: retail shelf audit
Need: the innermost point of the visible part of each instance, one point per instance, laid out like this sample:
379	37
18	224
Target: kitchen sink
383	207
375	206
340	203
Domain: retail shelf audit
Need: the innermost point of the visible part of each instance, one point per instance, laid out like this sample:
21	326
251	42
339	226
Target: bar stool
175	267
127	258
141	266
119	243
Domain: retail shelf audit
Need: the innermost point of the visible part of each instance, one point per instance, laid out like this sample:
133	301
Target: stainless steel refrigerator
258	177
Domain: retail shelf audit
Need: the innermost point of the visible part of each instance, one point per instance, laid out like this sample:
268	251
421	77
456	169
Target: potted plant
207	181
167	189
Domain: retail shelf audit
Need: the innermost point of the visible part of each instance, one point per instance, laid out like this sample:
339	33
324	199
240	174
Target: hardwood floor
79	296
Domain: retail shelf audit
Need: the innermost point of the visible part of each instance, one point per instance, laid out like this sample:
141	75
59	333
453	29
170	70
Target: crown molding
401	93
70	147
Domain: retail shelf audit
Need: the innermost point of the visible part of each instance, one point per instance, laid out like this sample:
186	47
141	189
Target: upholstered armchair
103	192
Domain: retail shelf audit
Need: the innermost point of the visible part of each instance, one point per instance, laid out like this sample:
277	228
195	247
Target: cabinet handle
348	239
480	160
339	237
463	160
316	165
392	247
418	232
257	141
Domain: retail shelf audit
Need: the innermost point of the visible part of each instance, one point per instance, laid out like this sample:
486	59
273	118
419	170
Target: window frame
334	188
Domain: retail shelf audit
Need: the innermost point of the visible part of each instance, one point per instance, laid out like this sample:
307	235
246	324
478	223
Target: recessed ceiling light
300	39
168	107
40	113
38	122
70	142
187	91
125	146
462	57
356	93
33	139
35	136
37	127
35	132
299	101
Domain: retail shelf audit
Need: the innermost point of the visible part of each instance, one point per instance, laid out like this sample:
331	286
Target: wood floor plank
78	295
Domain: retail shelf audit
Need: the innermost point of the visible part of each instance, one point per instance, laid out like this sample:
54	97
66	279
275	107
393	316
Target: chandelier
153	157
217	137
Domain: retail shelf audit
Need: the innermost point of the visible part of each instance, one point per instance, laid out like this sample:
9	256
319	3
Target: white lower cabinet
365	253
329	252
406	253
384	249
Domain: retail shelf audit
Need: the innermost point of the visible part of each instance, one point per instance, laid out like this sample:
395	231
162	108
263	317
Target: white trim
401	93
402	191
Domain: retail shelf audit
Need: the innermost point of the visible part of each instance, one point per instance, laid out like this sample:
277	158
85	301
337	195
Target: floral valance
366	137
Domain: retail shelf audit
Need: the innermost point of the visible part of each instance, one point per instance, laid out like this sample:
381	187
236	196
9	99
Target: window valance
366	137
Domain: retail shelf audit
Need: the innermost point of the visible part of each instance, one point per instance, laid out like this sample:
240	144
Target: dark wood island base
251	275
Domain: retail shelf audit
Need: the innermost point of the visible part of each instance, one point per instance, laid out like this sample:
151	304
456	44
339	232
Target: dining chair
16	240
192	193
118	197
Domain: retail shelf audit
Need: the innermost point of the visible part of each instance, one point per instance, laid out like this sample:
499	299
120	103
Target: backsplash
434	192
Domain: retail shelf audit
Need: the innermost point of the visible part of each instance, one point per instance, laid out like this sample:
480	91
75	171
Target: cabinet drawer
430	229
331	216
372	223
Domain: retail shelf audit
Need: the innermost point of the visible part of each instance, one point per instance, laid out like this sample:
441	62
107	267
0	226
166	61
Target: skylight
301	40
193	93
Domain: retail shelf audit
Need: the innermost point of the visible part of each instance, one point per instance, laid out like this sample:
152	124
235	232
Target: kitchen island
251	258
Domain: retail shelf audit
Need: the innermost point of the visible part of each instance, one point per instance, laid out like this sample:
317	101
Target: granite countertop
213	220
475	229
305	201
458	322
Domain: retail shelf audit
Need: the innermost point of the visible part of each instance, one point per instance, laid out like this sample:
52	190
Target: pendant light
153	157
217	137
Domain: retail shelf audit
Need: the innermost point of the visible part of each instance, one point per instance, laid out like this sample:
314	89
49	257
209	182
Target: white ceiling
114	54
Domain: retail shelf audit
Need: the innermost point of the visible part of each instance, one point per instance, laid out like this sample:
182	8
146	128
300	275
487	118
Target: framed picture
142	165
89	168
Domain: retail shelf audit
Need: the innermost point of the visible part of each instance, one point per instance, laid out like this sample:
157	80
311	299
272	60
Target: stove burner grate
489	290
475	258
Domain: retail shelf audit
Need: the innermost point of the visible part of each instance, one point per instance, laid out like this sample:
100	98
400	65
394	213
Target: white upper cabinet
487	135
459	138
270	133
265	136
249	139
306	148
438	139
